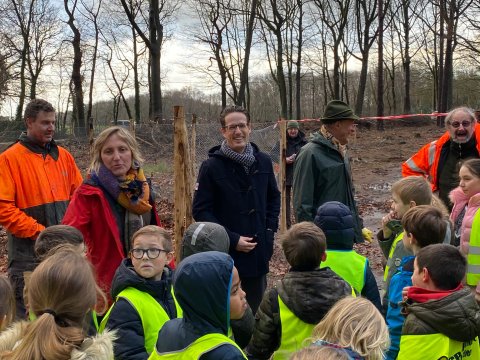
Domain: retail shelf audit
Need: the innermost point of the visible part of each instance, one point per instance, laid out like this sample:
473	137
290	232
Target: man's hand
246	244
291	159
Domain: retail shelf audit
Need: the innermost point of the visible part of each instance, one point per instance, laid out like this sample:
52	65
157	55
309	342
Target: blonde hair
124	135
355	323
320	352
7	303
156	231
62	291
413	188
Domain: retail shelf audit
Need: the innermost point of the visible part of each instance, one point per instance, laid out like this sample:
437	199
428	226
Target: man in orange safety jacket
37	180
438	161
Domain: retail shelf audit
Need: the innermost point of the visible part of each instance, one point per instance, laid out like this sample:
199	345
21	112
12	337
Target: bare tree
4	78
20	16
78	111
241	100
274	16
335	15
380	82
119	83
366	33
159	12
92	13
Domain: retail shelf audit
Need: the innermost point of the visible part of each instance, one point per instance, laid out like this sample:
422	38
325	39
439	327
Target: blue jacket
245	204
395	318
130	342
202	285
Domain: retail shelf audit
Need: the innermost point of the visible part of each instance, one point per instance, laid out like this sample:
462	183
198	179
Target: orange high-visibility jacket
34	193
425	161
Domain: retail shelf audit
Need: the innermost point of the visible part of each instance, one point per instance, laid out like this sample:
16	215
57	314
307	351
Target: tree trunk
78	112
380	84
156	38
298	75
248	45
94	62
282	88
406	62
362	85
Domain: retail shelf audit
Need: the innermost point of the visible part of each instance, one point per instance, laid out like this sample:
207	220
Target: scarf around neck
132	193
327	135
246	159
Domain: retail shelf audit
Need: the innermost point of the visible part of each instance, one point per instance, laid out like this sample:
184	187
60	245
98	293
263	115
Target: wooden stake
182	174
281	175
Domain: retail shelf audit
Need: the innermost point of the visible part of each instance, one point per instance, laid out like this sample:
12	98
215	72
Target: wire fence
156	142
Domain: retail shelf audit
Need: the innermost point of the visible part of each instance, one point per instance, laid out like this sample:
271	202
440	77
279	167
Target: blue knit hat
336	221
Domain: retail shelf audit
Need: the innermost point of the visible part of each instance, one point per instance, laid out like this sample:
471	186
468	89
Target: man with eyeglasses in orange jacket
438	160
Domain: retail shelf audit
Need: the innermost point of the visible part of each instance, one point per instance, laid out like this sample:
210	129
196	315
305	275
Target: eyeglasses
152	253
457	124
232	128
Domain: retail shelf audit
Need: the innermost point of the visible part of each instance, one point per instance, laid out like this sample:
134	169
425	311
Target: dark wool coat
245	204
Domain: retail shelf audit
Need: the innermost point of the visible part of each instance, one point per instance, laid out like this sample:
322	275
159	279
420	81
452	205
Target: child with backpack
289	311
207	287
336	221
207	236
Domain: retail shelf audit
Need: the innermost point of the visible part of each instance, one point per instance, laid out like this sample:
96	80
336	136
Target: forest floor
376	158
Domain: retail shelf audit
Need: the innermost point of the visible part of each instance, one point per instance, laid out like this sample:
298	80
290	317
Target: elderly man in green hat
322	171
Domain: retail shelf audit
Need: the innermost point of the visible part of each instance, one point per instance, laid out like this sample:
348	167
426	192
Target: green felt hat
292	124
337	110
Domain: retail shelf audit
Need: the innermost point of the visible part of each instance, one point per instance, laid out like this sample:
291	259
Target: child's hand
405	292
387	232
367	234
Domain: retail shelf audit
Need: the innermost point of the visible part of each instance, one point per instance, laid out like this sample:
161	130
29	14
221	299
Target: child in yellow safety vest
207	236
443	318
207	287
336	221
407	192
289	311
423	225
142	290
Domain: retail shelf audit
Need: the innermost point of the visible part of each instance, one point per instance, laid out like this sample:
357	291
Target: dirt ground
376	158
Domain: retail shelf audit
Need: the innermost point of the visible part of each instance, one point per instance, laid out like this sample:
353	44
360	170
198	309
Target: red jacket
425	161
90	212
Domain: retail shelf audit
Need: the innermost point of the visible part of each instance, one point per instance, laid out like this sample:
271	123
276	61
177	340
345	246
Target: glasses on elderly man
152	253
456	124
233	127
